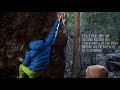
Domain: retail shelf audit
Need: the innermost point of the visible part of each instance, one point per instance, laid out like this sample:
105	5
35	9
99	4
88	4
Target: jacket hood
36	45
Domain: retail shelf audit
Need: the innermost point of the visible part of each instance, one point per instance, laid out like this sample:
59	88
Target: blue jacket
38	57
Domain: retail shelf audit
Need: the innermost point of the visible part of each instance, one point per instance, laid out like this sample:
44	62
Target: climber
96	71
37	58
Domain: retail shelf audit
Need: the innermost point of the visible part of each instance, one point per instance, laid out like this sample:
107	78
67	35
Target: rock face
112	62
17	29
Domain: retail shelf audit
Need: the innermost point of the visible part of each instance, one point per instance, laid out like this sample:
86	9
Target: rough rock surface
17	29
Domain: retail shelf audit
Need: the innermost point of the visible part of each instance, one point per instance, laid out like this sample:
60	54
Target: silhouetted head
96	71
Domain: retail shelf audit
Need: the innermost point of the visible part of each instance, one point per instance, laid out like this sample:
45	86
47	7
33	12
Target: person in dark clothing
37	58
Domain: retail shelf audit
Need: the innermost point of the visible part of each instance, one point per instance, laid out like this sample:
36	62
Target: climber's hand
63	18
59	16
20	59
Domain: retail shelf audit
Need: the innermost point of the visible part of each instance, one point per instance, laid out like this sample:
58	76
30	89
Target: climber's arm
52	34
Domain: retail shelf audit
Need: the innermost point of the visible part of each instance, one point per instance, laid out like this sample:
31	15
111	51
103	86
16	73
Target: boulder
17	29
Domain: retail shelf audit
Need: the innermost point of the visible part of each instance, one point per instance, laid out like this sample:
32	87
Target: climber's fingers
20	59
63	18
59	16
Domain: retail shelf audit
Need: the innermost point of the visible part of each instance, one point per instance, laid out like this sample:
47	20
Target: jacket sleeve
26	61
52	34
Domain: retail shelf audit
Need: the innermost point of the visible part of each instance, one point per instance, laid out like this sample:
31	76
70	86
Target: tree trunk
76	45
